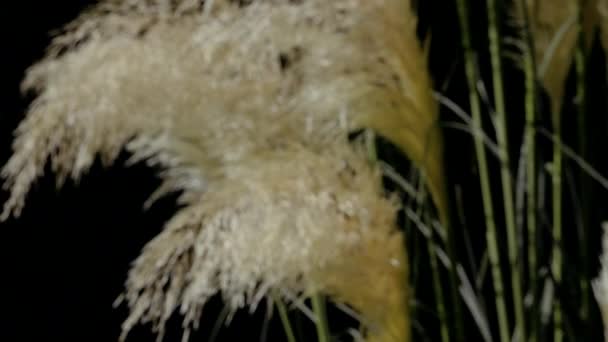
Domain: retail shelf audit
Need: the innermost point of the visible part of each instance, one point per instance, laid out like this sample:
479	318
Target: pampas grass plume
246	107
554	30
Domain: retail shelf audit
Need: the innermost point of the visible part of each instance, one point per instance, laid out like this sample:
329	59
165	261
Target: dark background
64	261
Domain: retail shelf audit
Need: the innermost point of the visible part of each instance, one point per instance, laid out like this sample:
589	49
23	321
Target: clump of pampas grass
246	106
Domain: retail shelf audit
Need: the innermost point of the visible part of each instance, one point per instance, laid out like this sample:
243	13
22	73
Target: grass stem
530	150
319	308
494	257
505	174
285	319
556	264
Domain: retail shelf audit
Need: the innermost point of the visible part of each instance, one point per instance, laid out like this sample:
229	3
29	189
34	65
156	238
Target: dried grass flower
555	32
246	107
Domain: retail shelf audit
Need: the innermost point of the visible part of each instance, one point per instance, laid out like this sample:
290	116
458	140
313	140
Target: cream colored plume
246	106
554	29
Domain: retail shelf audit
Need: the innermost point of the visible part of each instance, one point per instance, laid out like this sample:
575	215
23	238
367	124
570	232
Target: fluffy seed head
246	106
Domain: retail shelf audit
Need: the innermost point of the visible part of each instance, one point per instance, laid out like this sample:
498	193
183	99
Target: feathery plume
554	30
246	106
287	201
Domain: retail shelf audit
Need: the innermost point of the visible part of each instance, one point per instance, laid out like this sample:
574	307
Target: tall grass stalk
556	180
469	58
557	204
282	308
505	175
553	27
530	150
437	288
319	308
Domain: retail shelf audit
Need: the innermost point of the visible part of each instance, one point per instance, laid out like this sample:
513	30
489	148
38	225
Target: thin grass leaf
472	302
488	206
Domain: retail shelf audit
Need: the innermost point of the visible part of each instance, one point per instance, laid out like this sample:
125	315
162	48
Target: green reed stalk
556	188
556	265
505	174
437	288
486	193
530	150
285	319
319	308
557	204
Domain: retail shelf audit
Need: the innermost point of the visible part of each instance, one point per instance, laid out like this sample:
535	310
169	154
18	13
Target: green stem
285	319
505	175
557	193
530	141
318	307
556	265
486	193
439	298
